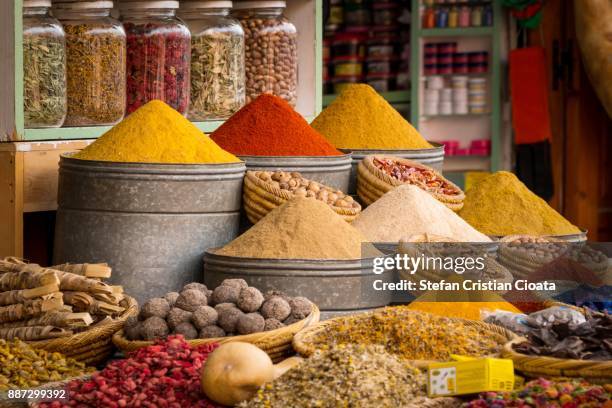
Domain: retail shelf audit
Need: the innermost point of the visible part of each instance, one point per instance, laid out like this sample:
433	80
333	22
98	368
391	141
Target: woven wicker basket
373	183
261	197
304	345
597	372
92	346
277	343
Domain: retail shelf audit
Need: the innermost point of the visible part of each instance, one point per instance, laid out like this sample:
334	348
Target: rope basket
305	341
277	343
94	345
260	197
373	183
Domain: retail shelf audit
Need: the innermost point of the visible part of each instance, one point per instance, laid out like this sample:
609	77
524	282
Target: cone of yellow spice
156	133
359	118
500	204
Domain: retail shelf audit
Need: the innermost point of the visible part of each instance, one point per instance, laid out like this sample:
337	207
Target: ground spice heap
166	374
269	126
408	210
362	119
348	376
409	334
303	228
155	133
21	366
501	204
431	302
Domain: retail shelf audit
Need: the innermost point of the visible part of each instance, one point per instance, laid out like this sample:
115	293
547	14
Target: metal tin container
333	171
150	222
433	157
333	285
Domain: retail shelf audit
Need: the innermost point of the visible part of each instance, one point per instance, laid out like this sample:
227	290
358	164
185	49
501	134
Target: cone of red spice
268	126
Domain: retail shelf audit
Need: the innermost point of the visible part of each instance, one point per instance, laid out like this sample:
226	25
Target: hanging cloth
531	119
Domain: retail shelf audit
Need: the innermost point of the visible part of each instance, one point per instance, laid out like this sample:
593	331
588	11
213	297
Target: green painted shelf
455	32
391	97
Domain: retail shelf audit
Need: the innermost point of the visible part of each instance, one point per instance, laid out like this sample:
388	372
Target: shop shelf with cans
487	124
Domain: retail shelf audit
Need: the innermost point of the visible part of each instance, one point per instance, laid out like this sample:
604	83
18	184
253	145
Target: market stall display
547	393
357	375
164	374
286	250
377	175
158	57
274	70
410	335
217	60
44	60
523	211
61	311
95	63
264	191
18	360
407	210
233	311
158	190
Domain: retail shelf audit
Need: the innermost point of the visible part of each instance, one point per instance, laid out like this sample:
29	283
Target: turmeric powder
362	119
500	204
156	133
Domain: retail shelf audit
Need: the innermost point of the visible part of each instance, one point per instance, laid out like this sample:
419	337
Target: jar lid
140	5
241	5
84	5
36	3
194	5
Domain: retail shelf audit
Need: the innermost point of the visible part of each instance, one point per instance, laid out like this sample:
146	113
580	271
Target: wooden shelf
456	32
457	116
467	163
402	96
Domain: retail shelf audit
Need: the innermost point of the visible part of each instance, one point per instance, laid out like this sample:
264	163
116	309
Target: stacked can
460	94
444	59
477	95
433	89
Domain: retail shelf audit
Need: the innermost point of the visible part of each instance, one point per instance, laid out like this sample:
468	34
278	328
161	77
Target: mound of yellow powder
359	118
155	133
303	228
500	204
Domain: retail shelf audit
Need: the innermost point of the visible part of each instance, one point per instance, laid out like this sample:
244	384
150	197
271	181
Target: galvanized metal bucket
333	285
150	222
433	157
334	171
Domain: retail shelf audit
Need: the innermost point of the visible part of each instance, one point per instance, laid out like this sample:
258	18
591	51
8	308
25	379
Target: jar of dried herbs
95	63
271	55
158	59
44	66
217	60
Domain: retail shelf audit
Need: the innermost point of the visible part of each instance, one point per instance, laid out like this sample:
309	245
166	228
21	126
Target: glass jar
271	58
158	54
44	67
217	60
95	63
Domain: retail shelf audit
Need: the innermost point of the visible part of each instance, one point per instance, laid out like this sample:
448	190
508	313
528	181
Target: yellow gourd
235	371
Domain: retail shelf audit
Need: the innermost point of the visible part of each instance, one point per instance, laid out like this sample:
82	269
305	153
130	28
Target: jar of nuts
271	59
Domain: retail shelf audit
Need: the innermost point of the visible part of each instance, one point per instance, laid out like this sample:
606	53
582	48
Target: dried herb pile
44	78
349	376
410	335
22	366
217	74
590	340
95	64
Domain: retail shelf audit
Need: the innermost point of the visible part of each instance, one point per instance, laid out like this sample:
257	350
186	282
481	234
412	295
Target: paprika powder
269	126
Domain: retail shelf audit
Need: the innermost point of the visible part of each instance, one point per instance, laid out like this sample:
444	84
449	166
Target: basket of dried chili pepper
376	175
